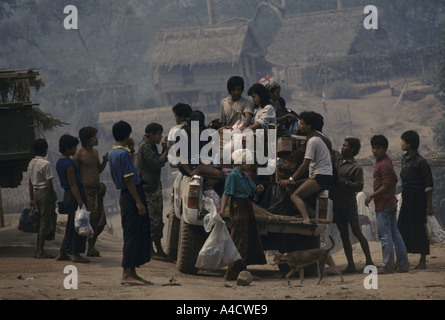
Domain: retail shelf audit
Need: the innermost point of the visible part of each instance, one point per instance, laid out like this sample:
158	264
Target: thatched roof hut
193	64
313	49
203	45
324	35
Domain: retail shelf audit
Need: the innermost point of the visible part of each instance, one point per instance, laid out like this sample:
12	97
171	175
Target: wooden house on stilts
193	64
315	48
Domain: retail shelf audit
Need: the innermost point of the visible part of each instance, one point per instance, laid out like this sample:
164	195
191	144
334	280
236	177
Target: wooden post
423	69
2	220
364	77
339	5
114	99
349	121
211	12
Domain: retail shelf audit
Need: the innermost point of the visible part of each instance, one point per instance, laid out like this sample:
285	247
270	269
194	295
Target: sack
29	220
82	222
219	250
434	231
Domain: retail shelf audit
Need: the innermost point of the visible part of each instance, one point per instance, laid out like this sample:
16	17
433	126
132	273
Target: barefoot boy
134	213
87	159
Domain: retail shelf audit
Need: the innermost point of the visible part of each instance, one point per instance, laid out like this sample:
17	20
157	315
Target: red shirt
384	175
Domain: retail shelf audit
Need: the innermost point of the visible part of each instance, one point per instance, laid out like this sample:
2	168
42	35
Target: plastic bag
82	223
434	231
366	230
219	250
29	220
212	195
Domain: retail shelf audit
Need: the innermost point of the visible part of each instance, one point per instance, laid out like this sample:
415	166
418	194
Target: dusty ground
100	279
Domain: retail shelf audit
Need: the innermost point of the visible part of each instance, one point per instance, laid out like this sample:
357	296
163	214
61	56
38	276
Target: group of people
342	176
139	181
79	175
78	172
398	235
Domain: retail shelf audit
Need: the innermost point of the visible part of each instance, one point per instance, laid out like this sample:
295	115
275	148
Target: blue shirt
239	185
121	167
62	166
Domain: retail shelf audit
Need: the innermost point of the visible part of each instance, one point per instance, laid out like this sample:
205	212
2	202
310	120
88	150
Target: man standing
349	181
385	202
149	165
134	214
42	196
87	160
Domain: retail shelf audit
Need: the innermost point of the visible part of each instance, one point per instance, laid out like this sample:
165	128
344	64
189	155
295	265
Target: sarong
244	232
95	204
412	219
136	230
72	242
46	205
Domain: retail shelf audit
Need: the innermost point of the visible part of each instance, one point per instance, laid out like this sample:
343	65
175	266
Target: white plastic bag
212	195
219	250
82	223
366	230
434	231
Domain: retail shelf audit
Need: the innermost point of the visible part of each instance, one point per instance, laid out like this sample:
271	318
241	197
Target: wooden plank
262	215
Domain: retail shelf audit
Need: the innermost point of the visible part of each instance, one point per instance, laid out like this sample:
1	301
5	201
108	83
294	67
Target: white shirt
40	172
265	116
318	153
229	113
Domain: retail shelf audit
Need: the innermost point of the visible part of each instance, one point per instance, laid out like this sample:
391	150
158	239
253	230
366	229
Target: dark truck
20	123
283	232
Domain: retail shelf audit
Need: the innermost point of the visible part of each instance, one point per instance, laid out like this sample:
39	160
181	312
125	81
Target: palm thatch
324	35
203	45
45	121
15	84
15	87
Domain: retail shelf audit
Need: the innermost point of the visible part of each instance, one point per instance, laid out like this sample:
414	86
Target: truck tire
191	240
172	234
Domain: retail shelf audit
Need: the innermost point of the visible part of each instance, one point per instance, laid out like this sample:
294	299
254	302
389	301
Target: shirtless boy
87	159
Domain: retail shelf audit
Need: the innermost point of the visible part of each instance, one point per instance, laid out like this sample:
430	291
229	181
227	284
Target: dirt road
100	279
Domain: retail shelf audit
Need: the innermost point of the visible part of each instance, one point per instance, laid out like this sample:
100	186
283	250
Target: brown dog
297	260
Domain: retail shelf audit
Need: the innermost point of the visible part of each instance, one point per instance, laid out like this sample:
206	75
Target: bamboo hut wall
205	78
363	68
